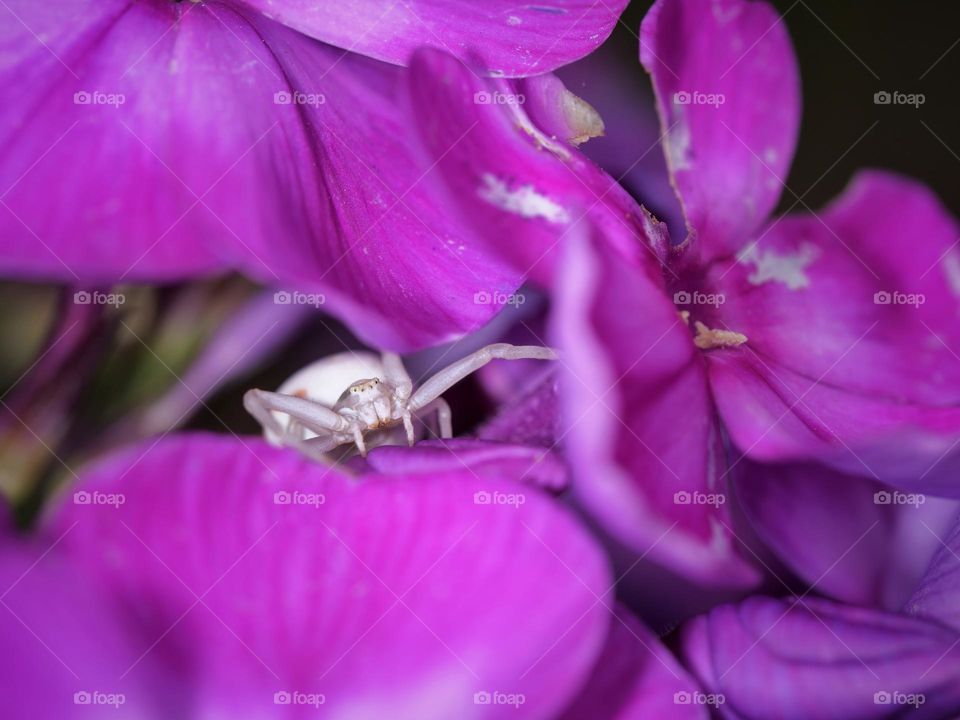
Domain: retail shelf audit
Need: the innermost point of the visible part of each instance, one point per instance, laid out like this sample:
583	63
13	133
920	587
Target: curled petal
816	660
639	424
728	94
499	165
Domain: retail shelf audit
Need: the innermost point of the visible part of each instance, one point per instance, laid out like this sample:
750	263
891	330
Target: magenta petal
500	37
64	653
938	594
846	536
486	459
817	660
638	420
636	677
728	93
262	150
853	337
255	572
506	172
531	416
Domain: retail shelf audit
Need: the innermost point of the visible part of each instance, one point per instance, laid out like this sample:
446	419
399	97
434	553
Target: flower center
701	313
709	338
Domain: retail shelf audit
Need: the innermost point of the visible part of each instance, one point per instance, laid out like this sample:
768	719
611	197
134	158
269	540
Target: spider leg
449	376
358	439
304	414
396	373
398	377
444	417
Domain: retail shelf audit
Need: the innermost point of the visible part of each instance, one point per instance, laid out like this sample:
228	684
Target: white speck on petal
723	16
770	155
513	20
788	269
524	201
678	142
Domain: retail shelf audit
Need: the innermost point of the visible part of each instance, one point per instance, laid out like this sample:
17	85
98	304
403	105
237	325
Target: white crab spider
305	413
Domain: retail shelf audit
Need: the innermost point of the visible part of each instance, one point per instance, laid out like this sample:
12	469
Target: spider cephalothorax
307	414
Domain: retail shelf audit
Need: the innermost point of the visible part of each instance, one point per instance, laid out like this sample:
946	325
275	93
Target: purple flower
148	141
849	314
812	658
205	576
792	339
